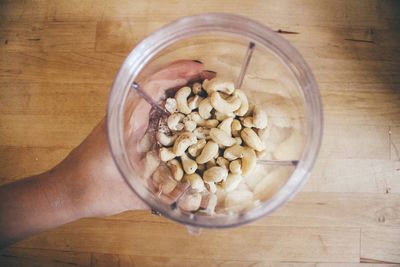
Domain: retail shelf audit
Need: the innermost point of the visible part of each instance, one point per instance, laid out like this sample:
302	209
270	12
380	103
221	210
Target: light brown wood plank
395	143
380	244
47	36
18	162
100	260
59	66
316	209
347	141
366	175
245	243
37	257
21	10
53	98
355	105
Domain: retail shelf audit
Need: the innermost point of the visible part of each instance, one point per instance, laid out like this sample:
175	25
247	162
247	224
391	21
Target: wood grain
58	60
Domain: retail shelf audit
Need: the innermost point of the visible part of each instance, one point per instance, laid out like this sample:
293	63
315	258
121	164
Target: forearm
35	204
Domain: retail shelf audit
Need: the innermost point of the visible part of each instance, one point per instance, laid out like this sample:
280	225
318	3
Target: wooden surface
58	60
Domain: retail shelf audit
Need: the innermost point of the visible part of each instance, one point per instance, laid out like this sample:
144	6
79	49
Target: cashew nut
248	156
189	165
194	150
244	105
236	166
222	162
259	118
174	121
225	126
224	105
231	182
194	116
182	142
218	85
181	100
166	140
195	182
170	105
190	202
194	101
162	178
209	123
215	174
221	137
205	108
251	139
196	88
166	154
209	151
151	162
201	133
222	116
236	127
190	125
247	122
176	169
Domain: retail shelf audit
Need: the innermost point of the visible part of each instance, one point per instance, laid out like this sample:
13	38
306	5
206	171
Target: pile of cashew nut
211	139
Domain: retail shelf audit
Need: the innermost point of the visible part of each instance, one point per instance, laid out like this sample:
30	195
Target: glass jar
277	79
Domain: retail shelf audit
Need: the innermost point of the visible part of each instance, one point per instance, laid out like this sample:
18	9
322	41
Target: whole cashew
195	182
196	88
231	182
194	116
190	125
215	174
201	133
162	178
222	116
190	202
221	137
209	151
244	106
194	150
218	85
209	123
222	162
176	169
236	127
189	165
224	105
194	101
236	166
181	100
247	122
166	154
171	106
259	118
205	108
182	142
226	126
151	162
251	139
248	156
174	121
166	140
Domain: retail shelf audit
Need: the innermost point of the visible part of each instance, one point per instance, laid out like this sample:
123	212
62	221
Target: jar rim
189	27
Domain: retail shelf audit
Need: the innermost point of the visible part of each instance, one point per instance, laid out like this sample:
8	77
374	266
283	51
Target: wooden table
59	58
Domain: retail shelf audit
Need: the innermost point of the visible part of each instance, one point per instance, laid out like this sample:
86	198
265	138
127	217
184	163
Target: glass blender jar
273	75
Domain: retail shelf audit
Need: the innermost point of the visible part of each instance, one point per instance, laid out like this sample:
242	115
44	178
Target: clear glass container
277	79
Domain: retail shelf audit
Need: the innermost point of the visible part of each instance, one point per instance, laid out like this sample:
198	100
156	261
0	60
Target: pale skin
87	182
